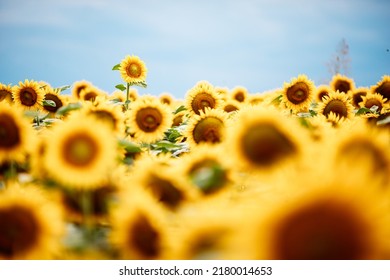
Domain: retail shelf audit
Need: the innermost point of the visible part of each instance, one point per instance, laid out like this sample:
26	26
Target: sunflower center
148	119
358	149
4	94
373	102
342	86
208	130
177	120
55	99
9	132
323	231
264	145
384	90
357	98
106	117
165	191
298	93
19	231
134	70
230	108
79	89
28	97
80	150
336	106
202	101
322	94
239	96
144	237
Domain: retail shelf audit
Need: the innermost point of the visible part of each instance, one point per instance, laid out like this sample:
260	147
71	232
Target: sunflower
118	95
202	96
298	93
138	230
148	119
28	95
31	225
357	95
383	87
223	92
255	98
154	176
80	153
263	139
16	135
133	94
231	106
6	93
239	94
209	127
205	234
206	169
53	95
133	70
179	118
322	91
342	83
92	94
79	86
374	99
335	219
337	103
166	98
110	115
362	149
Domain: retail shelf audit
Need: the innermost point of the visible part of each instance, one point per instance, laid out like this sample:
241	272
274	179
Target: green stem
86	206
127	96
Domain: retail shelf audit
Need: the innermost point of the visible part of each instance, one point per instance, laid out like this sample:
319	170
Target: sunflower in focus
148	119
374	99
133	70
28	95
80	153
202	96
333	219
357	95
31	225
263	139
16	135
322	91
298	93
383	87
6	93
208	127
337	103
239	94
342	83
138	229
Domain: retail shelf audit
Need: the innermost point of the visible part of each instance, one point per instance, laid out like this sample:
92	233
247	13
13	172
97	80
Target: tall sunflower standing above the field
133	71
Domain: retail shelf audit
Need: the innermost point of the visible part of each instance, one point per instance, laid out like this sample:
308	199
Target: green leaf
140	84
362	111
49	103
209	178
277	100
67	108
120	87
181	108
129	146
63	88
172	134
165	144
116	67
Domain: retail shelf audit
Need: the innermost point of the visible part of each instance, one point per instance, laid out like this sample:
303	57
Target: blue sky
257	44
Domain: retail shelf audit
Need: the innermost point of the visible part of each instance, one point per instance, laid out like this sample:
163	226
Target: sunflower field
299	172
